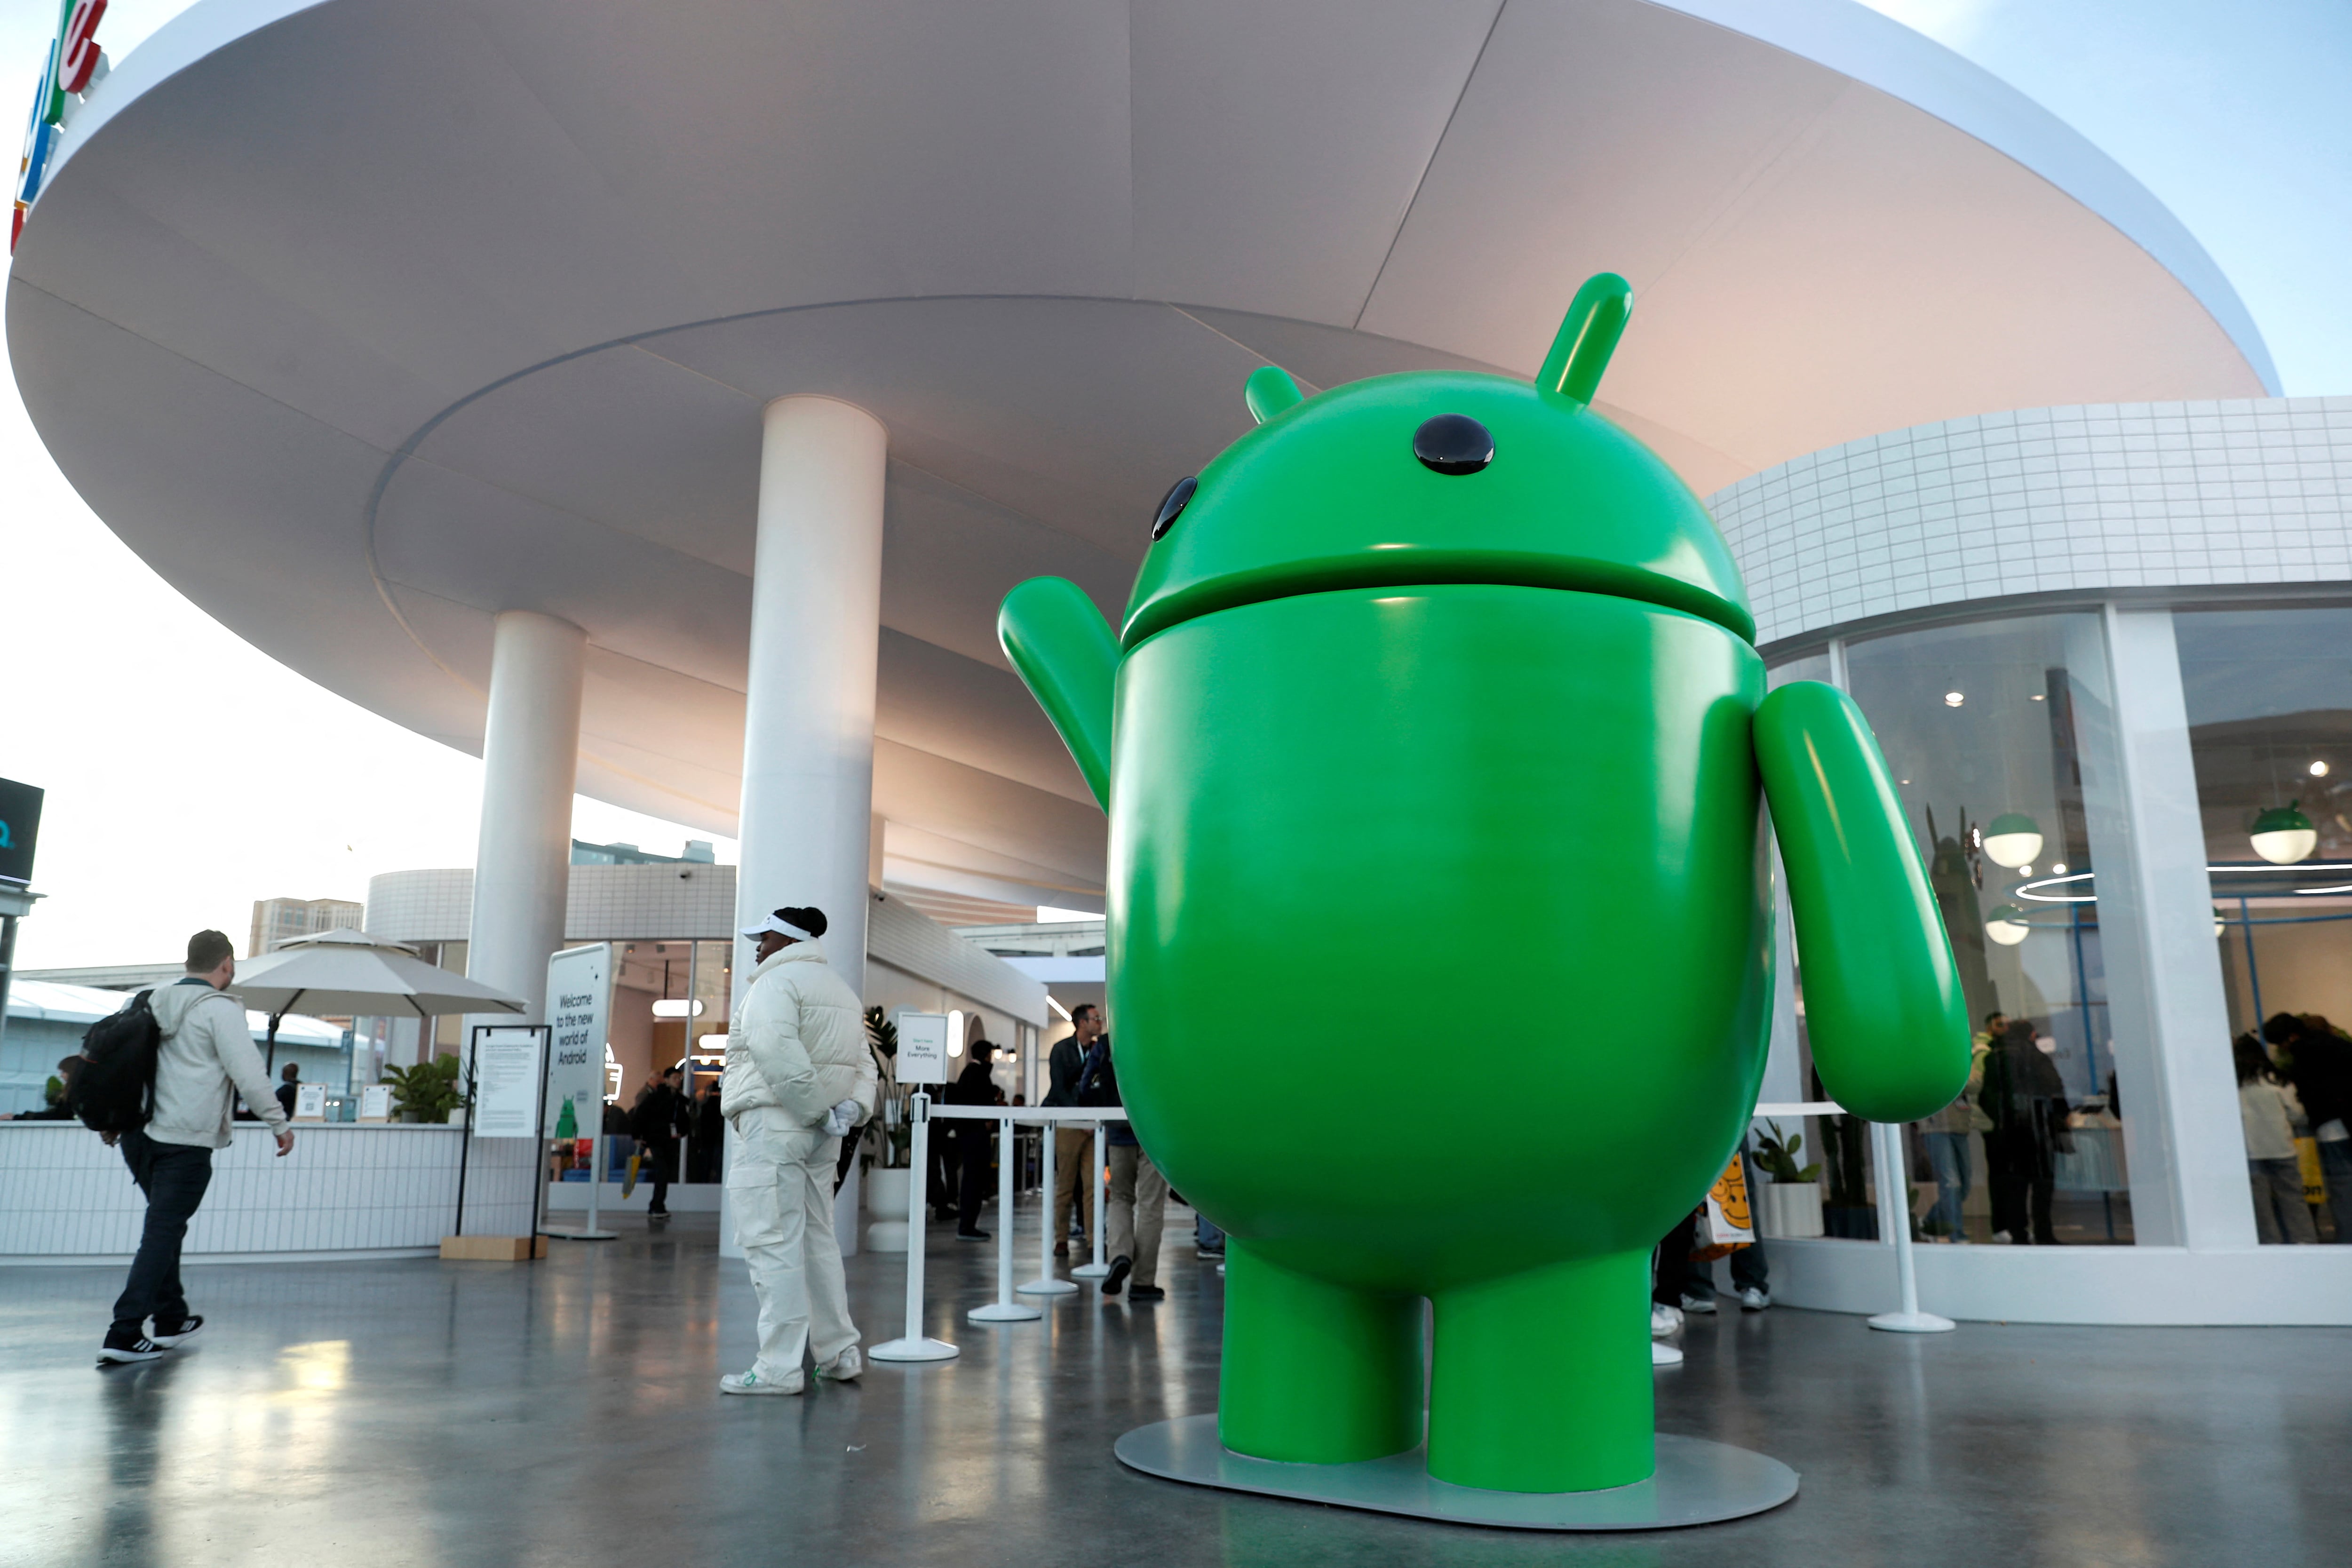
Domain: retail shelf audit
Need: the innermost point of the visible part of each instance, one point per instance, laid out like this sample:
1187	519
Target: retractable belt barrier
914	1345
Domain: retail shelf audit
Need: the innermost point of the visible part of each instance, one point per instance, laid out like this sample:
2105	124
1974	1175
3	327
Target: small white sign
310	1103
579	1009
375	1103
922	1048
506	1082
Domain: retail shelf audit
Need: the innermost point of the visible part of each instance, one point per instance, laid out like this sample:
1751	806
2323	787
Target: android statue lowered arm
1436	710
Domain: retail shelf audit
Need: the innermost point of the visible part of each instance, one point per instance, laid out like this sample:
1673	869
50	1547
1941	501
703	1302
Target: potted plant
425	1092
1790	1199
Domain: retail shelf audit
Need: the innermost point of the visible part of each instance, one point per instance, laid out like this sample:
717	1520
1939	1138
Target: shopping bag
2306	1156
629	1180
1730	1225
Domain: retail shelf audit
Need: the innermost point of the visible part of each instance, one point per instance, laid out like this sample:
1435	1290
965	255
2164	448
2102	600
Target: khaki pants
1136	1209
1073	1179
779	1185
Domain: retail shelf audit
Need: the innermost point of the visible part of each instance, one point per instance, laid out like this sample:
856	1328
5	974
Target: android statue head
1436	705
1440	476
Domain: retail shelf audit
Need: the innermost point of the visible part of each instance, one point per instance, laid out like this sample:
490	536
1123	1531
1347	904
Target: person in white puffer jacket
798	1078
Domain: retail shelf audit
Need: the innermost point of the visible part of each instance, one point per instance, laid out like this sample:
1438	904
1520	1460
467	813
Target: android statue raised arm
1451	682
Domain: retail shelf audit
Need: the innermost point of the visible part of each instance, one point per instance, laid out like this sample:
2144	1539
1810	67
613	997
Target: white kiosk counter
349	1190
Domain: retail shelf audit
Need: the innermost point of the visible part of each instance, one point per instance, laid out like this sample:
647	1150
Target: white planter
885	1193
1790	1209
456	1118
887	1235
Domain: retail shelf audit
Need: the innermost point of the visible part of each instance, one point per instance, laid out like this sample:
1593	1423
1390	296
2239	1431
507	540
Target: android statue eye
1173	503
1454	444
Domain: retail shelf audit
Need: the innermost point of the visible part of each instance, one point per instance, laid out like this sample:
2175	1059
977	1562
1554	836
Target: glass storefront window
1985	726
2269	700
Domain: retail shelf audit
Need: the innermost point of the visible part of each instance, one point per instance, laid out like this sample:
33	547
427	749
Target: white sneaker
1664	1319
846	1367
1753	1300
1703	1304
1664	1356
752	1382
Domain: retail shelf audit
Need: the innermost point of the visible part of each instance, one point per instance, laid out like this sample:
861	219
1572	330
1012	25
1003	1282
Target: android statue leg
1541	1379
1315	1372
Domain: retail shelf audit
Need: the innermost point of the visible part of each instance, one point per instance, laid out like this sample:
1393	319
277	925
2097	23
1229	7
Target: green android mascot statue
1436	704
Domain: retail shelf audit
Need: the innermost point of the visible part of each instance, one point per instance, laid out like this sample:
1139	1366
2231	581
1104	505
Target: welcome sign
579	1009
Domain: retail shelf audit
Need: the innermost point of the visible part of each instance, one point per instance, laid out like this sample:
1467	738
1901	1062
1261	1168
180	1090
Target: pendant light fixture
2283	836
2012	840
2005	923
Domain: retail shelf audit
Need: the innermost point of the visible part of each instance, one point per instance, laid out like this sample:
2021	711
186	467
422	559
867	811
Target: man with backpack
202	1059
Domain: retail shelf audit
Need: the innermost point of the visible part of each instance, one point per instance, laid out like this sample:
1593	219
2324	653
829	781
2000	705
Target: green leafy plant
1775	1156
882	1032
428	1089
900	1140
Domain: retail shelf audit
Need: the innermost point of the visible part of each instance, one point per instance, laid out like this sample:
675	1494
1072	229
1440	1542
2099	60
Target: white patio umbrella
348	972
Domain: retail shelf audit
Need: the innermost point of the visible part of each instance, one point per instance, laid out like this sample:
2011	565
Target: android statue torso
1479	979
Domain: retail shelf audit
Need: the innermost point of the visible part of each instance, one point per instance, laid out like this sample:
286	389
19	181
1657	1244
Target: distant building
277	921
697	853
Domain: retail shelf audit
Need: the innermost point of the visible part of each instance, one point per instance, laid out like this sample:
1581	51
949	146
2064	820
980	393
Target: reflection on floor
566	1413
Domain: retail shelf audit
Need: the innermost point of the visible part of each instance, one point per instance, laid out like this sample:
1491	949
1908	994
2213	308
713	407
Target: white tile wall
345	1188
2046	500
607	903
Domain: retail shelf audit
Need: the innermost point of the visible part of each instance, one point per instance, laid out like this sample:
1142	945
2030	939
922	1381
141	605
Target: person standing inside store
2318	1060
290	1084
705	1158
205	1061
1945	1133
1074	1183
655	1122
2025	1099
1137	1206
973	1141
797	1079
2267	1111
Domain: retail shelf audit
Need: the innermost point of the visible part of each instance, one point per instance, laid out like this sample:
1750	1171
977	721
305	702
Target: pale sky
188	774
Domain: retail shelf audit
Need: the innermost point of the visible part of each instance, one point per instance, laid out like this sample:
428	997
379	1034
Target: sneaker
1664	1319
1753	1300
1664	1356
128	1348
176	1333
1062	1250
752	1382
1120	1267
972	1236
1693	1303
1208	1254
1146	1293
846	1367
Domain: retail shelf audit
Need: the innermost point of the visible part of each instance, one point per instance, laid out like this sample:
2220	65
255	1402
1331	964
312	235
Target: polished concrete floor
423	1412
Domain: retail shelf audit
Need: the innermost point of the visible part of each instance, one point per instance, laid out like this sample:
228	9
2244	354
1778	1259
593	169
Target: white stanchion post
1004	1309
1895	1211
1099	1267
912	1345
1046	1284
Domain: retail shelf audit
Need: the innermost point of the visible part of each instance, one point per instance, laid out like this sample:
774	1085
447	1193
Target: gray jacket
205	1060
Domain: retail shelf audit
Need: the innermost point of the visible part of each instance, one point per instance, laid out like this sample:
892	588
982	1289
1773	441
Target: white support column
530	760
2172	1022
808	723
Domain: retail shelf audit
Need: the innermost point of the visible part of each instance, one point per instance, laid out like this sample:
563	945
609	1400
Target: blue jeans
1949	1154
1206	1237
174	1176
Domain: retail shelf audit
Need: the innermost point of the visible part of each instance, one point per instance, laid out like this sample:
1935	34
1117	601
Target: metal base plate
1698	1482
912	1350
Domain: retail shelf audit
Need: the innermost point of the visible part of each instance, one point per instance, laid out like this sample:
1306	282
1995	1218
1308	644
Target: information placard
578	1008
922	1048
375	1103
310	1103
506	1082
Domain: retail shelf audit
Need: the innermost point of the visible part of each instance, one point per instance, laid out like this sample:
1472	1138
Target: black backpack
114	1088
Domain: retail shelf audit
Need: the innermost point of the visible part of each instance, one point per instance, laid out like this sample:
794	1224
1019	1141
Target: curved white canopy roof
363	320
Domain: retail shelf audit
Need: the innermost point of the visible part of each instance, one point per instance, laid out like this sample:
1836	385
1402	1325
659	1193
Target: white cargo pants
779	1185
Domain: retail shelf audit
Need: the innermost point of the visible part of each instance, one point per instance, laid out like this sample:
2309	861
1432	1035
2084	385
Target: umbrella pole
271	1063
